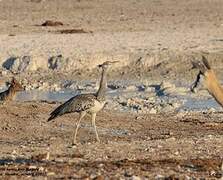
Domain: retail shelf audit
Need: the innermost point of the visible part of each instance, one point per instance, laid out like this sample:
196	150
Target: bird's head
107	64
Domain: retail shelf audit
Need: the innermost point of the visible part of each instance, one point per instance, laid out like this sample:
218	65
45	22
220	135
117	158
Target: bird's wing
81	102
77	103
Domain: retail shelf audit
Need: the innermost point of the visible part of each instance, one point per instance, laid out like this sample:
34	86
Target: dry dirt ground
159	35
161	146
171	146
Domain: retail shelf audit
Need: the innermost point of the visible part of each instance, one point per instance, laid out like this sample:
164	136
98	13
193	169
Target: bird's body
85	103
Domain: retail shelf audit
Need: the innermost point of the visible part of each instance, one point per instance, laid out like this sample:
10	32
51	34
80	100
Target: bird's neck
103	85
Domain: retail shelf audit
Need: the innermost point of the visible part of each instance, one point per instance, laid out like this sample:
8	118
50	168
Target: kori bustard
86	103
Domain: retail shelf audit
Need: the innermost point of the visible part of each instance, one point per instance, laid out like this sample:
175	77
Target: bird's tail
62	109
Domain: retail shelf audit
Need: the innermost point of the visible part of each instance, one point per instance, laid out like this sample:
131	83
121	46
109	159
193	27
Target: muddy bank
134	58
138	66
137	87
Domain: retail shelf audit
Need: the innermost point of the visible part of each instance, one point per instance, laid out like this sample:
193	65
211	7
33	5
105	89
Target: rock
134	103
14	152
55	87
153	111
4	72
50	174
41	168
43	86
167	85
211	110
175	105
52	23
60	63
181	90
159	177
141	88
136	178
150	89
72	31
131	88
37	62
99	177
17	64
24	63
90	87
152	99
32	167
69	84
55	61
113	86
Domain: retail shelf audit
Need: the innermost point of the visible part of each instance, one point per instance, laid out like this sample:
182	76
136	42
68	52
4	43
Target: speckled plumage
79	103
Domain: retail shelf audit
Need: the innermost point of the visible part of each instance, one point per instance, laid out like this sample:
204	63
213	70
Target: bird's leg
82	114
95	129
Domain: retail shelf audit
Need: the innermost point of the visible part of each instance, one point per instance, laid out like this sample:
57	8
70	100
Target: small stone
141	88
222	166
152	99
159	176
153	111
131	88
211	110
59	63
136	178
50	173
14	152
165	85
113	86
99	177
4	73
32	167
41	168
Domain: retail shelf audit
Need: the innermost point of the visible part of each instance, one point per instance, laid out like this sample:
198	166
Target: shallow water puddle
188	102
36	95
194	104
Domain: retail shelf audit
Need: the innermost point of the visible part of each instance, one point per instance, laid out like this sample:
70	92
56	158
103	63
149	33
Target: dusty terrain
146	132
151	39
177	145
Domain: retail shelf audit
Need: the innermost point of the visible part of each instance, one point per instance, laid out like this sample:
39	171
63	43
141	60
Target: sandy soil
164	145
153	40
151	34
